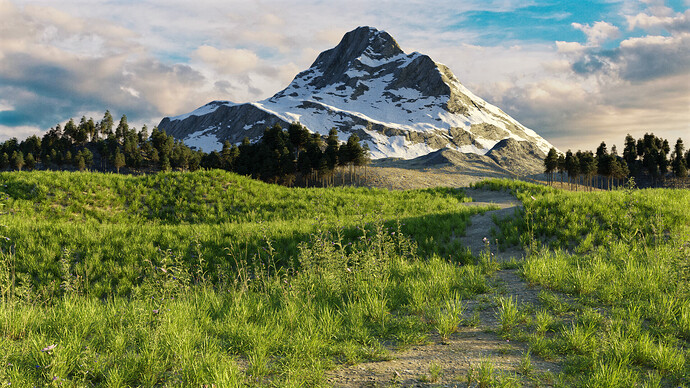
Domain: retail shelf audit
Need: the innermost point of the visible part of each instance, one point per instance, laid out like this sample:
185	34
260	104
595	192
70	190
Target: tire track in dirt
471	346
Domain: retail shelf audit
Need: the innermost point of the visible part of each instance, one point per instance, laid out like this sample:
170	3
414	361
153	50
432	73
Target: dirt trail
465	351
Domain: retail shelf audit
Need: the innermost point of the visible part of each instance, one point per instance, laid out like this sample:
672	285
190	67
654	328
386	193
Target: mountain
401	105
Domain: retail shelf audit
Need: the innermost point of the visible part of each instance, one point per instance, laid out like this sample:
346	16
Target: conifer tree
119	160
4	161
107	124
680	169
29	161
550	164
122	129
17	160
572	166
561	166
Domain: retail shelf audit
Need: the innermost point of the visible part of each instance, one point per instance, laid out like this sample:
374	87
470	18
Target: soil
472	345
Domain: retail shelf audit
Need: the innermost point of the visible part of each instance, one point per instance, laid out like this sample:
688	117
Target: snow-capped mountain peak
402	105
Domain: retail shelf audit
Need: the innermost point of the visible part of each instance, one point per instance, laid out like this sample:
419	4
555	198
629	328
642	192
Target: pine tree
17	160
29	161
572	166
551	163
4	161
679	167
122	129
119	161
107	124
561	167
630	152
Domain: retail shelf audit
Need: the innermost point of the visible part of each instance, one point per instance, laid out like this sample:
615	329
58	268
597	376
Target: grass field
615	271
209	277
194	279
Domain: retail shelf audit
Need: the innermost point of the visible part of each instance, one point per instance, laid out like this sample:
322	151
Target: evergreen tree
228	156
81	135
165	163
79	162
70	132
551	163
572	165
107	124
561	166
143	136
29	161
119	161
332	146
603	162
588	166
17	160
4	161
88	157
32	145
122	129
299	137
678	165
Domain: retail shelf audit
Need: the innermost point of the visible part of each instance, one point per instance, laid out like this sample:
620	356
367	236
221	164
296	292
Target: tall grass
110	225
208	278
623	257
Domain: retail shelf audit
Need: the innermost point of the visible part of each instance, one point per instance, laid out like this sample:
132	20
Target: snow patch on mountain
204	140
204	110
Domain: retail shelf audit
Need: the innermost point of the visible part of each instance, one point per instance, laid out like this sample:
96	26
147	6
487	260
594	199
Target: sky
577	72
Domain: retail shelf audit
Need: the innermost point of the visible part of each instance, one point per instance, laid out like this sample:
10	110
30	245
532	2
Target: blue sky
577	72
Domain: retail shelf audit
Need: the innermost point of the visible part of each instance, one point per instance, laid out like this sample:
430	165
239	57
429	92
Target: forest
292	156
646	159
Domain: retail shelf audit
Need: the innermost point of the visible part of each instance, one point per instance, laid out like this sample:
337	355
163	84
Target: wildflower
48	348
533	199
164	270
485	240
348	269
155	311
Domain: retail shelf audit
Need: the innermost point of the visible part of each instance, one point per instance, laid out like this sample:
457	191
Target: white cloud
675	22
569	47
599	33
228	61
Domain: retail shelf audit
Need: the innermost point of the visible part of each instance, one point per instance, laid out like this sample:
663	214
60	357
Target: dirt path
452	362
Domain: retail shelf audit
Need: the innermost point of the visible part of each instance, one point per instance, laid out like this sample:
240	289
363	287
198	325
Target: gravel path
465	351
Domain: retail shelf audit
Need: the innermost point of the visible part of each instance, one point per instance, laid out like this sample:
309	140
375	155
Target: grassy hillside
107	226
615	269
210	278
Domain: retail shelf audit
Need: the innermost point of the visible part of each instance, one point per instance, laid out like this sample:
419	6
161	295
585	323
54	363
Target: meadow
209	278
202	278
614	269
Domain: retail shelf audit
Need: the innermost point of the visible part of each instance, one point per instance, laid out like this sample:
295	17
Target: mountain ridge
401	105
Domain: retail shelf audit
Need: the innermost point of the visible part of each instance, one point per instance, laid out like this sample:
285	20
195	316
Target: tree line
649	159
292	156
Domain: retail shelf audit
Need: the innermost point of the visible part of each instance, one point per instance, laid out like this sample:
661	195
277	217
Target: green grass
211	278
616	266
111	225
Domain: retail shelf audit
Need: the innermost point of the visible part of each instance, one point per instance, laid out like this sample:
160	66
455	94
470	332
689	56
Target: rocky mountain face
401	105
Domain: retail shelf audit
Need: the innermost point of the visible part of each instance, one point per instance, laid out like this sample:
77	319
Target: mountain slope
402	105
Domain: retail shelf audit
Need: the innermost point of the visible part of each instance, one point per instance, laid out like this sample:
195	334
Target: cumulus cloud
598	33
54	66
678	22
597	92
